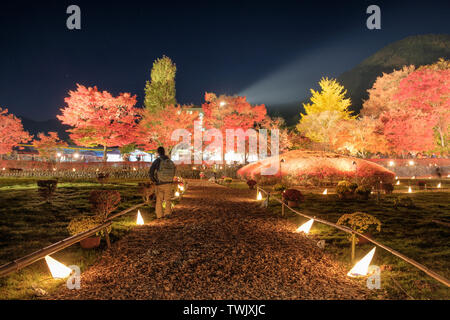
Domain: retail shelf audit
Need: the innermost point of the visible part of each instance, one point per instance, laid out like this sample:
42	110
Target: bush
251	184
147	190
388	188
404	201
82	224
292	195
227	180
360	222
46	188
346	189
104	202
364	191
279	187
421	184
102	177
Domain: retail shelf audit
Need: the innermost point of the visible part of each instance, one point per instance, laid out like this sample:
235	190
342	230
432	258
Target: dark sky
272	52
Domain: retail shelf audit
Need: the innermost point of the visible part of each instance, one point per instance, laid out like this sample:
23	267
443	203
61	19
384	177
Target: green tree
160	91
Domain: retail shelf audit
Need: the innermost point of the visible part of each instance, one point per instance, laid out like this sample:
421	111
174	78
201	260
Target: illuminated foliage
381	95
98	118
48	144
156	127
11	132
160	91
330	98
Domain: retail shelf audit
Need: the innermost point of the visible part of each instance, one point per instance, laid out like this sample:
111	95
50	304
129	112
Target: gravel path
218	245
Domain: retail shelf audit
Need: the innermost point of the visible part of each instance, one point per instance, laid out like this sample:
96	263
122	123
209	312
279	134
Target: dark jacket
155	167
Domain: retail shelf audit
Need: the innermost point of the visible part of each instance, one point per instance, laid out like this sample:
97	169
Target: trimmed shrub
82	224
104	202
292	195
227	180
251	184
360	222
364	191
147	191
404	201
346	189
388	188
46	189
279	187
421	184
102	178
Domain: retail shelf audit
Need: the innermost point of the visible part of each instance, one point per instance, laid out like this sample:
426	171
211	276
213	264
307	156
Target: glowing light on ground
54	169
305	227
74	169
391	163
325	191
139	220
181	188
439	185
57	269
362	267
177	194
411	163
259	196
409	190
398	182
413	177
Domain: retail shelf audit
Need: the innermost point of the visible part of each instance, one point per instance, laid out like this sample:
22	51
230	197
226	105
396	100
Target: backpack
166	171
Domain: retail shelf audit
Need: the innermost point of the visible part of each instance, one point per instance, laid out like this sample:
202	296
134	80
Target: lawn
410	231
27	224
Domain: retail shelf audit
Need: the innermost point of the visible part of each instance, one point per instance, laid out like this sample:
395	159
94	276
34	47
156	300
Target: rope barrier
421	267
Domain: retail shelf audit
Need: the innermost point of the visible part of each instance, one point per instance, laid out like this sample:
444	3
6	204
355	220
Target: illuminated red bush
317	165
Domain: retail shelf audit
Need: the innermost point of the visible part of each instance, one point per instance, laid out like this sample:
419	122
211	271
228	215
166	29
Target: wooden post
282	209
353	247
268	198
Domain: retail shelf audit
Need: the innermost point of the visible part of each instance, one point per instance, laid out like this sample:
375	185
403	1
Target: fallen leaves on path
218	245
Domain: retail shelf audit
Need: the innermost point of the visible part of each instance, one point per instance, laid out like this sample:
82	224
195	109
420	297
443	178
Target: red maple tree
11	132
225	112
98	118
156	128
428	91
48	144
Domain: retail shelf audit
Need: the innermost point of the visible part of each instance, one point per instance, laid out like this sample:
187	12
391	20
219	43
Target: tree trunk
104	154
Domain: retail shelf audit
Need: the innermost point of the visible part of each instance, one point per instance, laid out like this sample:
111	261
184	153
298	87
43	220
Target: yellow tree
328	108
330	98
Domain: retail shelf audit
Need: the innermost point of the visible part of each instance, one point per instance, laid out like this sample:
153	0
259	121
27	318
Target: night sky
272	52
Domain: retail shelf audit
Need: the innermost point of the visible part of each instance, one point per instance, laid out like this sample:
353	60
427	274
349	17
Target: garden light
74	169
139	220
305	227
391	163
76	155
409	190
362	267
4	169
396	178
181	188
59	154
54	169
177	194
398	182
134	169
259	196
57	269
325	191
413	177
411	163
439	185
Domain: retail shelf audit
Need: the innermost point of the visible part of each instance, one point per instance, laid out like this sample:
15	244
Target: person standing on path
162	173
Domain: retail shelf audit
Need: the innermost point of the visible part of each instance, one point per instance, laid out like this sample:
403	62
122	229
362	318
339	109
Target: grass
410	231
27	224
